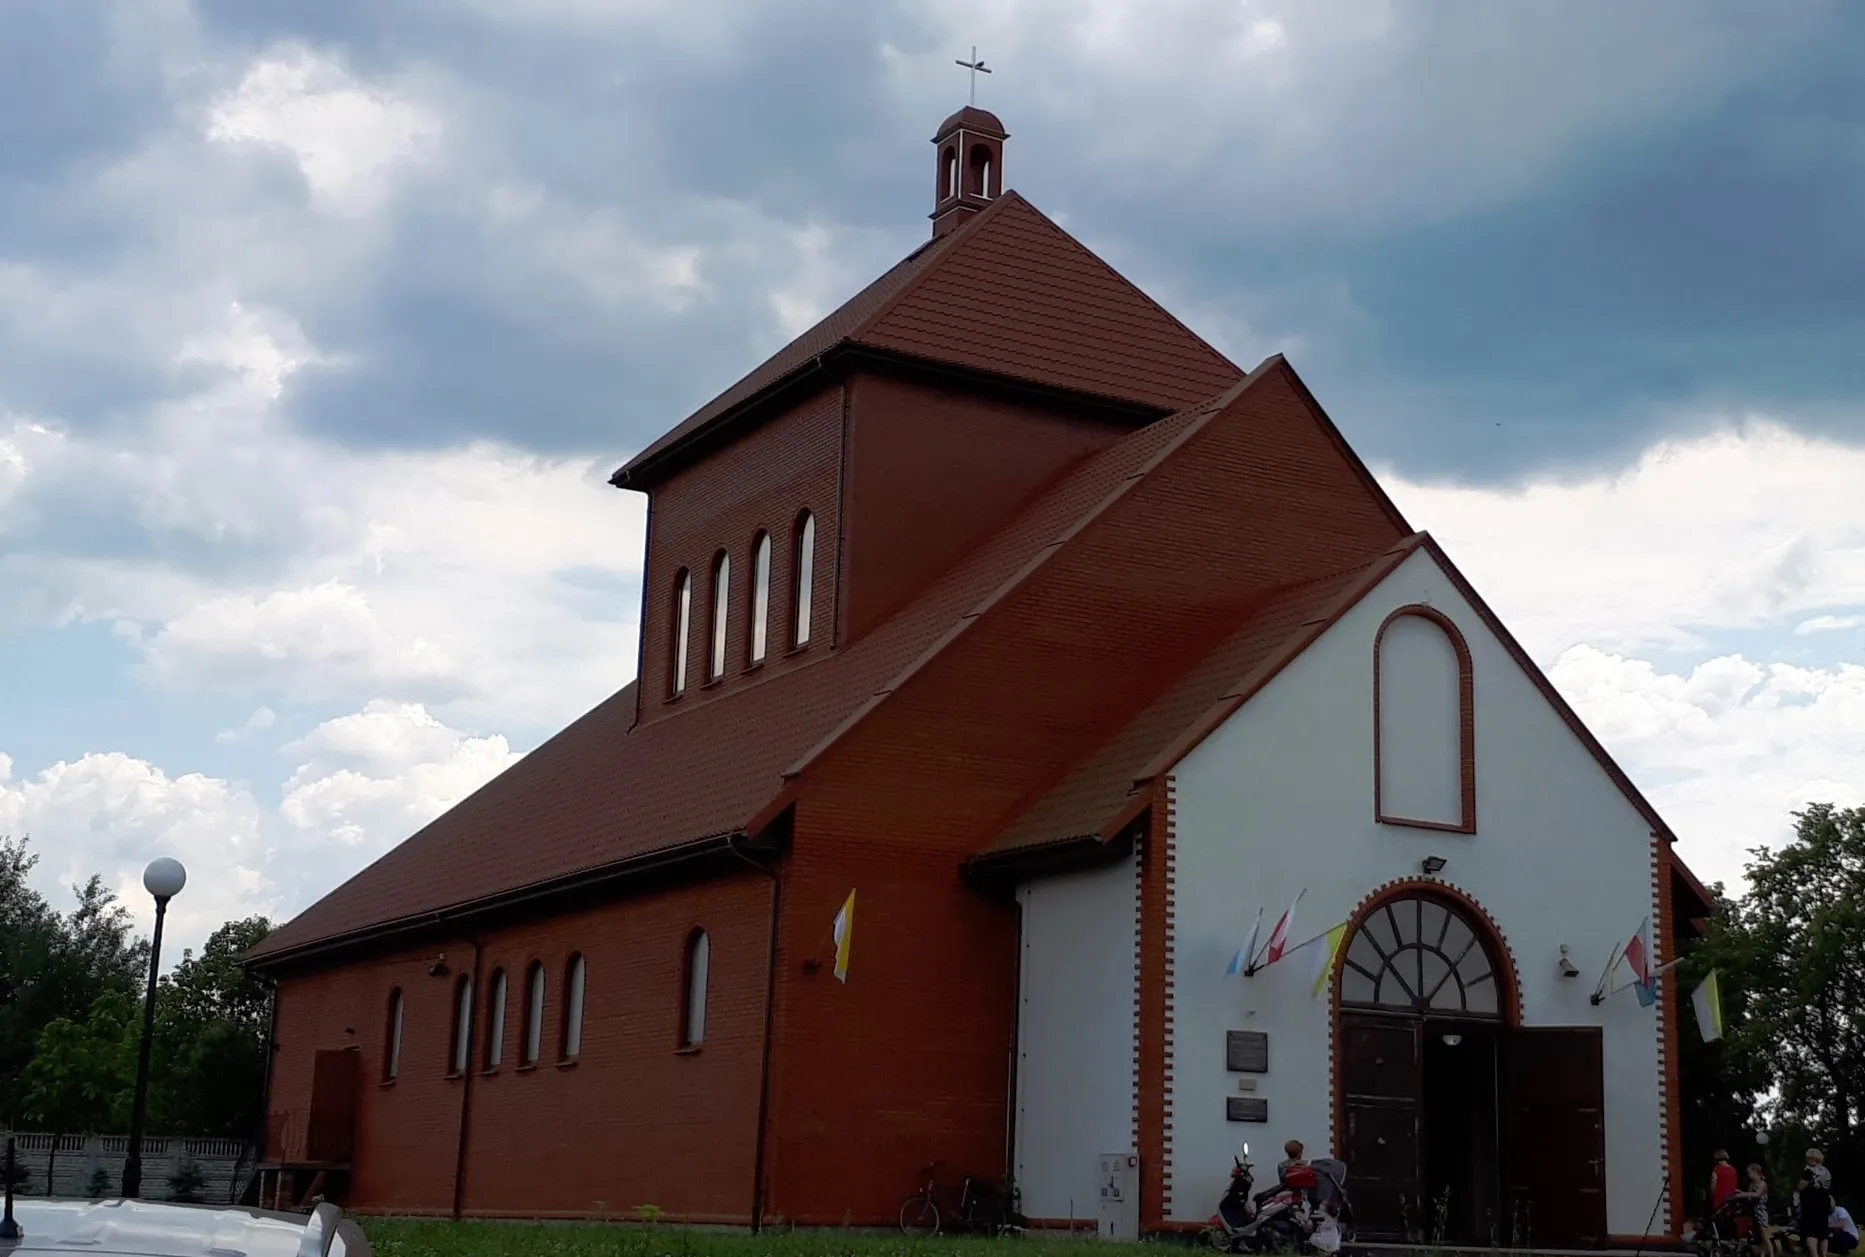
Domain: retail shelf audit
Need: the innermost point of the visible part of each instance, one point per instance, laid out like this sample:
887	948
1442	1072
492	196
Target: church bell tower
970	167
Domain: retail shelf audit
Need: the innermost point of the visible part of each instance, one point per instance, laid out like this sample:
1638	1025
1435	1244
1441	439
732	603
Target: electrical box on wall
1117	1175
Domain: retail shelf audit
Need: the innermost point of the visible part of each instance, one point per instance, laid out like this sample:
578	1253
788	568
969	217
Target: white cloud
361	783
348	138
369	780
1729	750
1746	528
1829	624
111	814
483	580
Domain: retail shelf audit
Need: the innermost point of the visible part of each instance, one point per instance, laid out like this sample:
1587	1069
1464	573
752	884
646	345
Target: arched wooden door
1458	1125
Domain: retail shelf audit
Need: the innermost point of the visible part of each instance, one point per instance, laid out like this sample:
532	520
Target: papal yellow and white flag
844	935
1326	948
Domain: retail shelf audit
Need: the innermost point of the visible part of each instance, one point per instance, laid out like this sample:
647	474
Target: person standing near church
1723	1182
1816	1203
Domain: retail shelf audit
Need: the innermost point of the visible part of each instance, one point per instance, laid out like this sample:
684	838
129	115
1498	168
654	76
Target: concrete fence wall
225	1164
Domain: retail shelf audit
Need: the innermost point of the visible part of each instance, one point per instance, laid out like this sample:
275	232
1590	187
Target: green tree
1792	958
80	1078
99	1185
213	1019
187	1184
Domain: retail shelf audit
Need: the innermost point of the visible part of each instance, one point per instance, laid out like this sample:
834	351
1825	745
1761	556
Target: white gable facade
1476	1092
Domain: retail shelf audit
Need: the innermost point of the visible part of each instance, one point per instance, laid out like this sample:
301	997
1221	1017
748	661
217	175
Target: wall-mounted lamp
1452	1040
1434	864
1567	965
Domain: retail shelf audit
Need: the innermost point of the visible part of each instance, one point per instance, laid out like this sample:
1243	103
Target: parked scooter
1235	1211
1305	1212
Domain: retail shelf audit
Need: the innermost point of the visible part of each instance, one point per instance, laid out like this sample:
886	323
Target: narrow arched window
721	614
573	1007
682	627
1424	716
760	595
803	569
495	1021
534	1014
698	973
462	1024
948	175
391	1054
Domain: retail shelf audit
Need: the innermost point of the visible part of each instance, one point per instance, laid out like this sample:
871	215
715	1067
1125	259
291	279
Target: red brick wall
635	1121
762	481
931	473
909	1062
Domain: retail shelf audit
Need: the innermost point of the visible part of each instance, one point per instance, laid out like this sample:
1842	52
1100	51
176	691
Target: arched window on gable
391	1039
495	1021
573	976
698	978
760	595
462	1025
1424	723
682	629
721	614
803	578
534	1013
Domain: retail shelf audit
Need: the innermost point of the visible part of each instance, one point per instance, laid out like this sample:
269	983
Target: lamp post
163	879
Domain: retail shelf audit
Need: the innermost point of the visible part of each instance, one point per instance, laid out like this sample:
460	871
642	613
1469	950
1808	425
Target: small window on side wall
803	576
495	1021
462	1025
698	977
573	976
534	1014
391	1047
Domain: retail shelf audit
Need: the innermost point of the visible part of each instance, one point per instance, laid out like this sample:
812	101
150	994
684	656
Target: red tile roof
1011	295
601	793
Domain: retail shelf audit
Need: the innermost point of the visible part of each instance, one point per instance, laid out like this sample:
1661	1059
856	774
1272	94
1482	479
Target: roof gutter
654	861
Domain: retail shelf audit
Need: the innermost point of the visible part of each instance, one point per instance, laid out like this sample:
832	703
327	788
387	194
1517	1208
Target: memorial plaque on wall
1246	1051
1246	1109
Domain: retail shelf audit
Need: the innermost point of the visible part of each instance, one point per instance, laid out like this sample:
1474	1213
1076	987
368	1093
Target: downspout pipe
263	1140
466	1083
758	1165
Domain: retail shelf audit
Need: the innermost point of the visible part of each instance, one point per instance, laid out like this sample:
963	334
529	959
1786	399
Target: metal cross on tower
976	67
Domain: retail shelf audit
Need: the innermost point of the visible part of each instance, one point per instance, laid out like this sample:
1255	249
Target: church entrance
1459	1126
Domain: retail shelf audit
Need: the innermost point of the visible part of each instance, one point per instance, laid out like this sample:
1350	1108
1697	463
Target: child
1756	1193
1816	1203
1291	1150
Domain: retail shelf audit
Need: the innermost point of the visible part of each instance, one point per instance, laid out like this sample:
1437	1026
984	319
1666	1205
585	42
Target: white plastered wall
1281	798
1075	1035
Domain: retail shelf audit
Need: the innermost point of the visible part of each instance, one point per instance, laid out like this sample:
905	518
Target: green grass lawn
404	1237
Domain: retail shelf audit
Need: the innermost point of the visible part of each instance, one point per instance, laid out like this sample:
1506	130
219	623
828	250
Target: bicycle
977	1211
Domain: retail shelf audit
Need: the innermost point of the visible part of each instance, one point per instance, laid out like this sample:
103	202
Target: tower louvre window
804	569
760	595
721	611
682	628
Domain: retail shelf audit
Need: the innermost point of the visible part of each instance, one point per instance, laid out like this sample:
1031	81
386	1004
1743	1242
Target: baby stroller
1731	1231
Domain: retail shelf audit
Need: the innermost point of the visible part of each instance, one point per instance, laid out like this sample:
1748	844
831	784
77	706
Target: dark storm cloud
1707	259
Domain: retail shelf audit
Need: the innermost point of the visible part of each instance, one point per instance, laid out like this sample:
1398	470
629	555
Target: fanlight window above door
1422	955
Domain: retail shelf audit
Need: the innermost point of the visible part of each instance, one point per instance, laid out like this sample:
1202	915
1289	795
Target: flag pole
1253	967
1599	991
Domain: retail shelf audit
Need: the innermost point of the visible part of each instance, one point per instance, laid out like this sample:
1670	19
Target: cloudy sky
322	324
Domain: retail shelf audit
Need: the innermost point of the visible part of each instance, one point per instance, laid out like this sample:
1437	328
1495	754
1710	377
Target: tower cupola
970	166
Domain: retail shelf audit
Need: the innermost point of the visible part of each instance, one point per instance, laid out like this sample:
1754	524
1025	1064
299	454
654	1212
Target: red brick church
934	602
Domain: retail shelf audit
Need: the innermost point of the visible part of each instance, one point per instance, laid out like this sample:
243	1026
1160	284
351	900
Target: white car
141	1228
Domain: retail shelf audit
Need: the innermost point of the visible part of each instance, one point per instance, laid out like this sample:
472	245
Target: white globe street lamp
163	879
